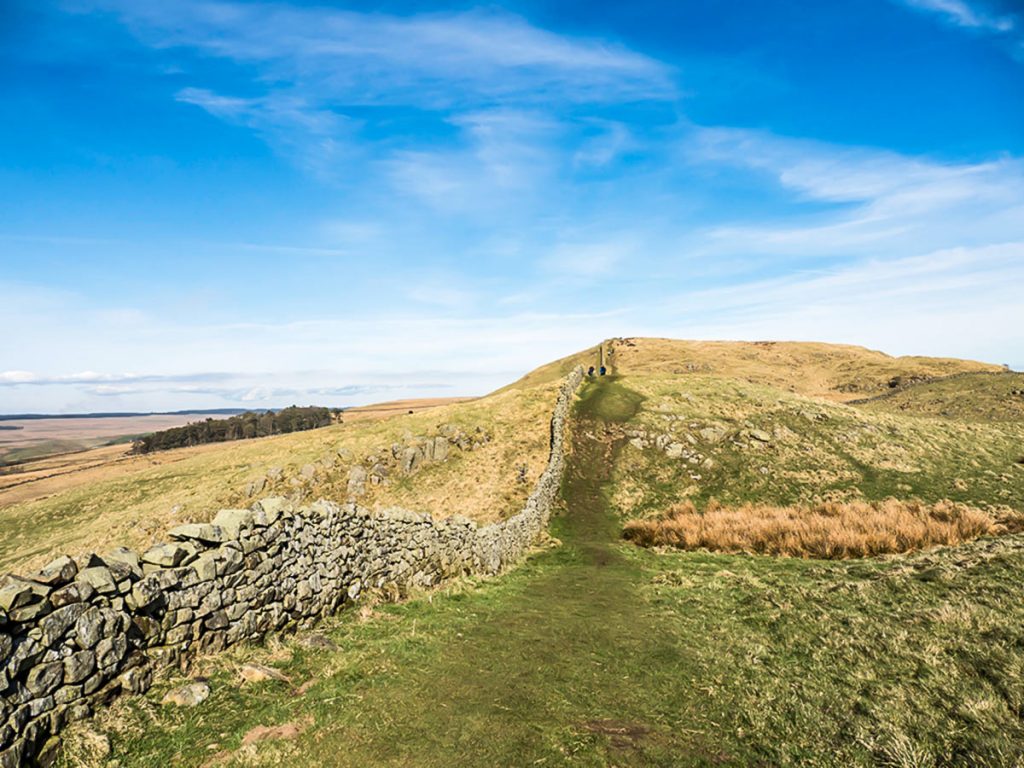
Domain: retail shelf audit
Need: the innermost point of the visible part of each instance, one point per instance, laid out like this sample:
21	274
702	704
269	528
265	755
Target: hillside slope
984	397
834	371
132	501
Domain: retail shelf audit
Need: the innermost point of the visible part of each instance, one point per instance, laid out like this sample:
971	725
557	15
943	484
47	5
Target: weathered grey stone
205	565
317	641
30	613
168	555
56	573
60	621
190	695
357	481
13	755
137	679
110	650
124	556
49	753
88	628
217	620
146	594
6	646
759	435
99	578
234	520
45	678
71	593
204	532
79	666
15	593
674	450
272	509
308	471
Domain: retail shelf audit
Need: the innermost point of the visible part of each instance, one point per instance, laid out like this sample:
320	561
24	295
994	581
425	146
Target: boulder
190	695
169	555
356	481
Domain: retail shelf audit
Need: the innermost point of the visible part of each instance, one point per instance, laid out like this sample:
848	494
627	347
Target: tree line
240	427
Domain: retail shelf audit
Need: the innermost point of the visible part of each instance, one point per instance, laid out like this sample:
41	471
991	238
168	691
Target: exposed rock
674	450
60	621
191	695
713	434
357	481
255	487
257	673
759	435
317	641
88	628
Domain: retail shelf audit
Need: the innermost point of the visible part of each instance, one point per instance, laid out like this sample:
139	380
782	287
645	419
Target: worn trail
566	665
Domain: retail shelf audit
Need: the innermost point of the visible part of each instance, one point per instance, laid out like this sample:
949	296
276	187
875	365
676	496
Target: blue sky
208	204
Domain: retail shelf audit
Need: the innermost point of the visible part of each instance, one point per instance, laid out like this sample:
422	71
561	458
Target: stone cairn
73	638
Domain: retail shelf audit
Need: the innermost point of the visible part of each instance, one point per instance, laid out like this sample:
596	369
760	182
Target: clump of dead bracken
829	530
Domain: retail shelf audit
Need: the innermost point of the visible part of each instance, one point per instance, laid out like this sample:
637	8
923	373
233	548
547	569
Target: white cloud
966	14
859	202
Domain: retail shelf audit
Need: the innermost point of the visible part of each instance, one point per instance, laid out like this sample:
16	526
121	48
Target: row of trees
240	427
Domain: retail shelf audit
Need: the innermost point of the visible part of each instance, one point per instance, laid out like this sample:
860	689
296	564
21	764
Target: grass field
600	653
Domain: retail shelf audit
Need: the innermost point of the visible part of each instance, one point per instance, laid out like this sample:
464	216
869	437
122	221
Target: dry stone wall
77	634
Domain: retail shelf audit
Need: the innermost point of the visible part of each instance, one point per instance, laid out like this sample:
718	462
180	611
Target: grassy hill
121	500
975	397
597	652
698	437
833	371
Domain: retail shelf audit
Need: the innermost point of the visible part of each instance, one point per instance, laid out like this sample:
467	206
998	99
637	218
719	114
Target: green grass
977	397
816	451
598	653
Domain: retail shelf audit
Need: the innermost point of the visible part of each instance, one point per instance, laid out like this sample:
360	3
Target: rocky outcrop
77	634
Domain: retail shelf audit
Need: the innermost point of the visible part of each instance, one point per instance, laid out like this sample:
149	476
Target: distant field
24	439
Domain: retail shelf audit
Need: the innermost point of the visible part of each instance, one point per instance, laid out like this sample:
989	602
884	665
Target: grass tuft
830	530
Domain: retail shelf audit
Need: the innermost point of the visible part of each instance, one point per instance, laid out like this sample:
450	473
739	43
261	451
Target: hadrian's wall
72	638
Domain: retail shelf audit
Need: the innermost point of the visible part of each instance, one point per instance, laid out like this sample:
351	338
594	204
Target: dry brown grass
831	530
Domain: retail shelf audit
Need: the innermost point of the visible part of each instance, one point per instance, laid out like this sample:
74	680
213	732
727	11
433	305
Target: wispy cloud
317	66
854	201
962	13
